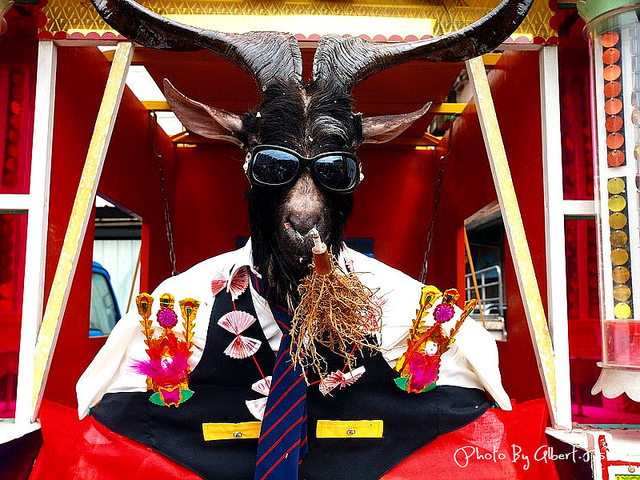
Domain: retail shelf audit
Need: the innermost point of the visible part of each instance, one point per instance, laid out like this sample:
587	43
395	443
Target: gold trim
349	429
231	431
79	15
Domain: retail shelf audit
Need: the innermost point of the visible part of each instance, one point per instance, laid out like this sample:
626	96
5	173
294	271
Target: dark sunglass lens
336	172
274	167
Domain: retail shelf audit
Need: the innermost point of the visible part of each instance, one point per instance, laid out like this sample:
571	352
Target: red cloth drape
483	450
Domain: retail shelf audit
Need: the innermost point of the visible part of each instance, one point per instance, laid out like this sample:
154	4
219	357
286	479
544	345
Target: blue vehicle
104	305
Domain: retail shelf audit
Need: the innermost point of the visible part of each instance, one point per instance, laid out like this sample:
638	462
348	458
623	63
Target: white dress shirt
472	360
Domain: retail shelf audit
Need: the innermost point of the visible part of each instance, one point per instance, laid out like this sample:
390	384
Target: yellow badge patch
349	429
231	431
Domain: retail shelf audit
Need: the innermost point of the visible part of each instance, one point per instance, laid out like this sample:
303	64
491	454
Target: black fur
310	122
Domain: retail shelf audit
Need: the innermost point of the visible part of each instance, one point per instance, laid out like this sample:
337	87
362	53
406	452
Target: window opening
486	234
116	265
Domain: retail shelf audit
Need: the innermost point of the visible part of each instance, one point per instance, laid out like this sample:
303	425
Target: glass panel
575	120
16	117
585	337
13	236
615	62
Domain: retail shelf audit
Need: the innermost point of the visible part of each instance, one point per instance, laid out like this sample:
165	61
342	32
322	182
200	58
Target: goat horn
266	56
349	60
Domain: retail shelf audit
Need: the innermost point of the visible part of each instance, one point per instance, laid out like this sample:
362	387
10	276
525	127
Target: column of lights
12	164
616	186
11	174
613	27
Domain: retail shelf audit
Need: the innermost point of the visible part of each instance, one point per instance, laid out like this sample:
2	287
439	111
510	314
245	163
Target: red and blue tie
283	437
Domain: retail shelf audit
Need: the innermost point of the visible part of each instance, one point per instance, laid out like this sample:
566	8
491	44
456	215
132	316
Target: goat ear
204	120
387	127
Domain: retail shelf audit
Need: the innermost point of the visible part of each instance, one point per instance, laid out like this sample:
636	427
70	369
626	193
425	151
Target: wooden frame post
514	228
80	214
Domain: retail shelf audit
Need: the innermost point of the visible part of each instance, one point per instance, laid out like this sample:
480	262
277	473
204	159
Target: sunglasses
274	166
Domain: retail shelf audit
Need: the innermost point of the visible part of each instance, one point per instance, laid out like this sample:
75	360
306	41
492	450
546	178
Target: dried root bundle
336	311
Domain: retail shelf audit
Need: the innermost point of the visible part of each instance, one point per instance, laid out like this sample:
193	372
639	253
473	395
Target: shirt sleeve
471	361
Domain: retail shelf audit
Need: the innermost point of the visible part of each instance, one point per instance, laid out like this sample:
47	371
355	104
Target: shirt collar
244	258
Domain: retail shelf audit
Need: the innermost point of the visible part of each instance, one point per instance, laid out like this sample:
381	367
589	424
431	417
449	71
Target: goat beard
276	256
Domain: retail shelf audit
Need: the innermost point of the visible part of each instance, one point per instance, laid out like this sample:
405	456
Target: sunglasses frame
303	162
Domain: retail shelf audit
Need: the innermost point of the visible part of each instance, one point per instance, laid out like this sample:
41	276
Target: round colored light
617	220
610	55
617	203
615	158
11	164
615	140
635	116
634	98
619	238
16	108
613	123
615	186
609	39
621	293
611	72
620	275
619	256
18	78
13	135
613	106
612	89
622	310
636	152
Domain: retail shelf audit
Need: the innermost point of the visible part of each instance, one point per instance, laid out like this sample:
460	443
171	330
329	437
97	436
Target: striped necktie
283	437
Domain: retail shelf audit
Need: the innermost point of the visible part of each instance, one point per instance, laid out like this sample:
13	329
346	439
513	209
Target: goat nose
303	223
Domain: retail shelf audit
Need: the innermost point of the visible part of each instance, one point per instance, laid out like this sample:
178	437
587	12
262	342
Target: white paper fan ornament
237	322
257	406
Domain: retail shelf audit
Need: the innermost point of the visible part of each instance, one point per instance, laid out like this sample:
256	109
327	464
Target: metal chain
434	215
153	125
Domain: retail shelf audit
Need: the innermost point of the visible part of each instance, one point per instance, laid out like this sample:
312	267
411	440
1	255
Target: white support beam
80	214
38	204
579	208
554	229
518	245
14	203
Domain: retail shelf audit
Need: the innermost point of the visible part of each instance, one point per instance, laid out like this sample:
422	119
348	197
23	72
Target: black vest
222	384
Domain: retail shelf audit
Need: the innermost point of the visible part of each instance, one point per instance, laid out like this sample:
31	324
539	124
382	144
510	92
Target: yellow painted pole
514	227
80	214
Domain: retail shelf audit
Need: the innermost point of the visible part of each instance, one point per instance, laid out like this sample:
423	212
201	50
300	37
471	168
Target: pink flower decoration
423	371
167	318
443	312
